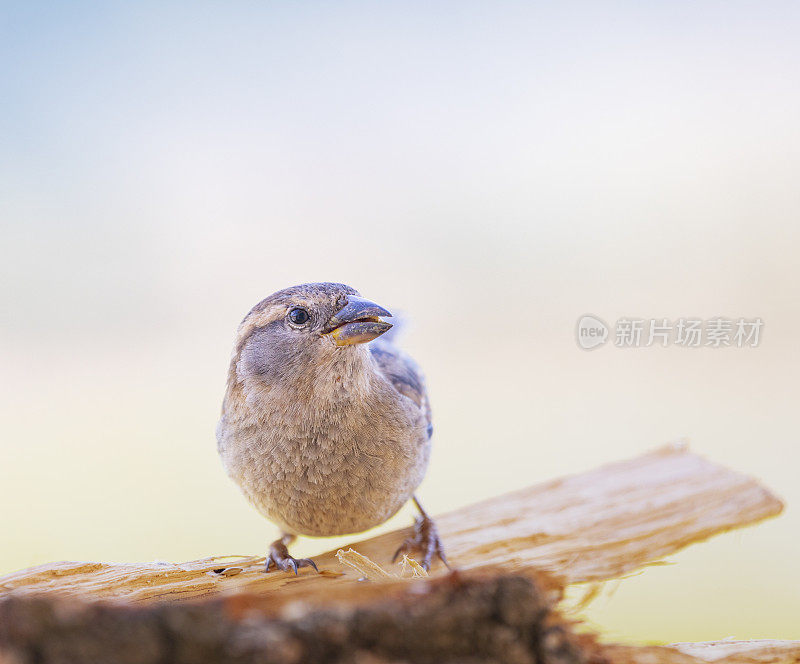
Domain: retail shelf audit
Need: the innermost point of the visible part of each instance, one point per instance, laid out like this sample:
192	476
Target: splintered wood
601	524
514	555
588	527
716	652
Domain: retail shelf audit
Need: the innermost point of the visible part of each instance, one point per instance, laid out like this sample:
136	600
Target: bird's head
305	327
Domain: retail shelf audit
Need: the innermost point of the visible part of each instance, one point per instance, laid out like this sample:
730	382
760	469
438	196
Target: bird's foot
279	556
425	540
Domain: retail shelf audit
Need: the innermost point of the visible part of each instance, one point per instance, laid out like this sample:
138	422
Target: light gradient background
495	170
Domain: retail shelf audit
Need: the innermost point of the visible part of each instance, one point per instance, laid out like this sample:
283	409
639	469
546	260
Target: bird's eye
299	316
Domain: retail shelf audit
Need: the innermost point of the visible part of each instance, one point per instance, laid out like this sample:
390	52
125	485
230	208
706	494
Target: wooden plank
718	652
587	527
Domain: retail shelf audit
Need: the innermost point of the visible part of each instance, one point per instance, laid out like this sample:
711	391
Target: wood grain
587	527
718	652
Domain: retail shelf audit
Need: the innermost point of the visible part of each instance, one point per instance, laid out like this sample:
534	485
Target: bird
325	426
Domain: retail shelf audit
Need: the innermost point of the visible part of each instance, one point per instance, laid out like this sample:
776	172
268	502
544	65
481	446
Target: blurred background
494	170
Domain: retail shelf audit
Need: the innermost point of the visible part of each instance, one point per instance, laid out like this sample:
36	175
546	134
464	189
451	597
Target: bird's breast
343	472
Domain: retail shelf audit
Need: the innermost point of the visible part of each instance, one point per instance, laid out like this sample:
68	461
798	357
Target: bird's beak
358	322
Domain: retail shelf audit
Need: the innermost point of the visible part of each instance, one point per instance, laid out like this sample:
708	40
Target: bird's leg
425	539
279	554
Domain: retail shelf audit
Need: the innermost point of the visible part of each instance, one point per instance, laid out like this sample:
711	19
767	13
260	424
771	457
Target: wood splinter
514	555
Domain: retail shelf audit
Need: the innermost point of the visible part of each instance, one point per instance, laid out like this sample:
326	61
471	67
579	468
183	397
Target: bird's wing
404	374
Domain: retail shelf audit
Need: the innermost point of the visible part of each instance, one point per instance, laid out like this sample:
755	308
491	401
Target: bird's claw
279	556
425	540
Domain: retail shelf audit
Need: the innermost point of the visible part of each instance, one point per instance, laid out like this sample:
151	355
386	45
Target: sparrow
325	427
